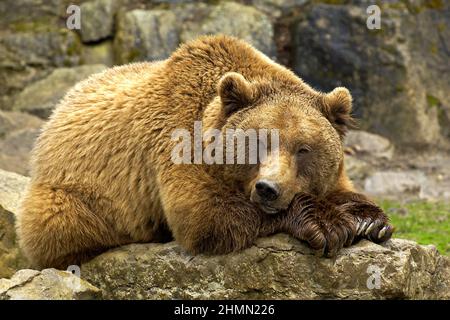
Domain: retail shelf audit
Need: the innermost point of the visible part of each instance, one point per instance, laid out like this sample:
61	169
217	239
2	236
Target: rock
277	8
369	144
154	34
48	284
29	52
395	77
395	182
16	150
97	20
233	19
41	97
12	188
356	169
145	35
11	258
18	132
101	53
14	12
14	121
277	267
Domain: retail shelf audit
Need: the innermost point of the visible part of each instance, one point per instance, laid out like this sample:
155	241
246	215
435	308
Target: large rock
154	34
145	35
278	267
391	183
12	188
369	144
48	284
233	19
18	132
395	73
278	8
29	52
97	20
41	97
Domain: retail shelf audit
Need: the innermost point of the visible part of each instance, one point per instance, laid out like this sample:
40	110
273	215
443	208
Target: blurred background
399	76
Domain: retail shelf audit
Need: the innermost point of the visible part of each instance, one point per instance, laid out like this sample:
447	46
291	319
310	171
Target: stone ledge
278	267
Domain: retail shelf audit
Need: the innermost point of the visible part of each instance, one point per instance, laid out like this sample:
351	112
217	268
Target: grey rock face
12	188
394	73
393	182
42	96
154	34
145	35
48	284
97	19
29	53
18	132
369	144
236	20
278	267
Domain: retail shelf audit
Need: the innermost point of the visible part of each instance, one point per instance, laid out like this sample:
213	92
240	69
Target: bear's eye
304	150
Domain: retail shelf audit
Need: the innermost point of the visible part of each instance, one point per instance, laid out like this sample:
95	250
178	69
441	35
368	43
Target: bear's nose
267	190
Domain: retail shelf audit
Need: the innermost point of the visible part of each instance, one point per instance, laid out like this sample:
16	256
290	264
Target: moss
441	26
334	2
134	54
73	47
31	26
421	221
432	101
434	4
416	8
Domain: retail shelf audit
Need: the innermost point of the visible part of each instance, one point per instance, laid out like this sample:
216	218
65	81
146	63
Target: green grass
421	221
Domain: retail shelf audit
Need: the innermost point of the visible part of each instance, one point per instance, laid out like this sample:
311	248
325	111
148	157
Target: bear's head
299	148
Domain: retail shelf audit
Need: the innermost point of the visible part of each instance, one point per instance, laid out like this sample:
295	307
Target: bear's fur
102	174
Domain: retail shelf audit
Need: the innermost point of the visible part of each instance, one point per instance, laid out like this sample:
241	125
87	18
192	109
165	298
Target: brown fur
102	174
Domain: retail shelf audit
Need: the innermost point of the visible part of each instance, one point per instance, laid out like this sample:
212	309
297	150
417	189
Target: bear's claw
377	231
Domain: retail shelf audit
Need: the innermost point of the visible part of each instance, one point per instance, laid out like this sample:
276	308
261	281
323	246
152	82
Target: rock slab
277	267
48	284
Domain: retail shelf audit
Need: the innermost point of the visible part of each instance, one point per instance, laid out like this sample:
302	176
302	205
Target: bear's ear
336	106
235	92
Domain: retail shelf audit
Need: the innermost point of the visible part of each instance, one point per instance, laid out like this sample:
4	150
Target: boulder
18	132
48	284
42	96
369	144
233	19
97	22
357	169
12	188
395	77
278	8
11	259
391	183
99	53
277	267
155	34
145	35
29	51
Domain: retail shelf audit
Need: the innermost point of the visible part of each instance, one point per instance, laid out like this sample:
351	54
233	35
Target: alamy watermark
233	146
374	279
73	21
374	19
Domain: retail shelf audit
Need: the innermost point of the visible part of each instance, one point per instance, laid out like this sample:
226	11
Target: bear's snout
266	194
267	190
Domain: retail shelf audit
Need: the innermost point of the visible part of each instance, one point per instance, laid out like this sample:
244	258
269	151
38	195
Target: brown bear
103	173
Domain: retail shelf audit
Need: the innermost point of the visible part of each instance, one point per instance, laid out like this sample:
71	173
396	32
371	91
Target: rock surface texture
277	267
12	187
48	284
